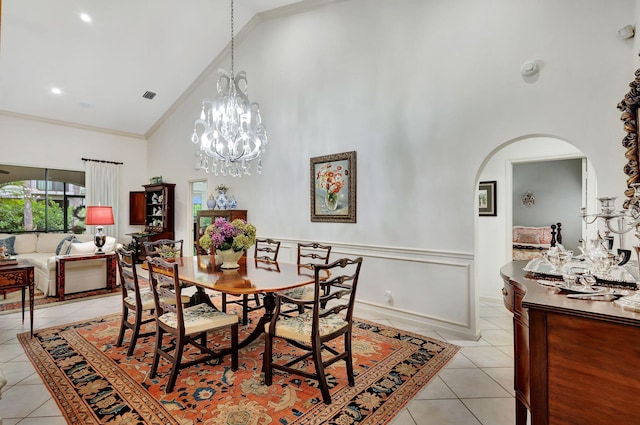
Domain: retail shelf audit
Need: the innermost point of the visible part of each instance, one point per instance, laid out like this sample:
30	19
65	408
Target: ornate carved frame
629	108
346	213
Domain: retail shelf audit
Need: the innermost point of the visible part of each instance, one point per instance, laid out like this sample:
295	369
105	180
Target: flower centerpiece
331	179
229	240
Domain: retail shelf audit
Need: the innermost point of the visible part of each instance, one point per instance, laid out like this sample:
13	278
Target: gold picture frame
333	188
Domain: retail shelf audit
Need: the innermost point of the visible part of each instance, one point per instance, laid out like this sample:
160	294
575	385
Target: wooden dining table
253	277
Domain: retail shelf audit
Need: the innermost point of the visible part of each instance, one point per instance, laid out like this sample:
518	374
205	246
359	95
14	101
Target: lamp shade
99	216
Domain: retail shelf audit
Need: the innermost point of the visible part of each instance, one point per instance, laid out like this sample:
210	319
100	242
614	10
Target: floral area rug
13	301
95	382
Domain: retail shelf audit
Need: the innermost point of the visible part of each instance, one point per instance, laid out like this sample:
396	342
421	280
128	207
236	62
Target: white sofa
40	250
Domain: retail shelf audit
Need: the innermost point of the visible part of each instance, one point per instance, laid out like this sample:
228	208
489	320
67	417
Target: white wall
494	233
424	91
43	144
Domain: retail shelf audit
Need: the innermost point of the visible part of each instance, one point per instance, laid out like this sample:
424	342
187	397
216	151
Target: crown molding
71	124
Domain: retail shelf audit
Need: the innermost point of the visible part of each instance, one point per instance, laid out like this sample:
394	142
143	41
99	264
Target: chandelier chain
232	74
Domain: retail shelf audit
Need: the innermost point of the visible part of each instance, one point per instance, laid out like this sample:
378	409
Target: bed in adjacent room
531	242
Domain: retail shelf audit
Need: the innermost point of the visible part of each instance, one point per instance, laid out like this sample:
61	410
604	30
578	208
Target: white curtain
102	183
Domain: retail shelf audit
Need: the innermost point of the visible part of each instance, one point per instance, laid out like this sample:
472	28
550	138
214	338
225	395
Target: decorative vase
331	200
229	258
232	203
211	202
221	200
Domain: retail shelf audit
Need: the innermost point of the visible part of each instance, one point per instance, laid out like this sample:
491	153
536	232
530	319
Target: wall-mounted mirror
629	108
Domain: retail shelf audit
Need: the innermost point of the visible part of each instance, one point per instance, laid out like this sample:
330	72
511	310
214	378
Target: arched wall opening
493	234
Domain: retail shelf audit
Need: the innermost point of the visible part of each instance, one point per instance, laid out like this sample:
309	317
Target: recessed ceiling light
85	17
56	90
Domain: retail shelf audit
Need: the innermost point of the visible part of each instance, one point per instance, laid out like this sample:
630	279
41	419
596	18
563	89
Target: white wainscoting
428	288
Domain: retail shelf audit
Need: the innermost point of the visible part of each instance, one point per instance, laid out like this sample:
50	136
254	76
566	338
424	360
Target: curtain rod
100	160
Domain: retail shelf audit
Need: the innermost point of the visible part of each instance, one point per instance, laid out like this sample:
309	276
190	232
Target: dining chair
134	300
309	254
165	248
184	325
315	329
264	249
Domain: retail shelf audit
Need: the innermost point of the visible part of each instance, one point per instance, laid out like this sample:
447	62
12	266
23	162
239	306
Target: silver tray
583	289
626	275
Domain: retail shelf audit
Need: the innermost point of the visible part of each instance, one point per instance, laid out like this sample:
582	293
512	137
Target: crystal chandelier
230	130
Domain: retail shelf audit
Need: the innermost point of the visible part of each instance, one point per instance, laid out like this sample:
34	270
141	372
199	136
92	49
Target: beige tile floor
475	388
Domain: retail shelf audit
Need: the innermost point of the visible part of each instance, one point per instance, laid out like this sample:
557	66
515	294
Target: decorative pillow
529	238
66	247
9	243
546	235
542	233
78	247
59	250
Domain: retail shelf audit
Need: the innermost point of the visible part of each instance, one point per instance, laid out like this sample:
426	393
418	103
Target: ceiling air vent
149	95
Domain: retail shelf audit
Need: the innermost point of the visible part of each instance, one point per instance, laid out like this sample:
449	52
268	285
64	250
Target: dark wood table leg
23	291
201	297
31	299
111	273
269	303
60	266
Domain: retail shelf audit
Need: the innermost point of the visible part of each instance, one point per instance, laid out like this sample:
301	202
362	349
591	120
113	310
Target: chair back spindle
266	249
165	248
313	253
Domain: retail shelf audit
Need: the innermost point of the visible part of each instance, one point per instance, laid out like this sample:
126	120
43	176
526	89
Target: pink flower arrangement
237	235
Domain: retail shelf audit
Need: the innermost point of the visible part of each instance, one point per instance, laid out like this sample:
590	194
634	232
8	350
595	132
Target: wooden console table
576	361
19	276
109	257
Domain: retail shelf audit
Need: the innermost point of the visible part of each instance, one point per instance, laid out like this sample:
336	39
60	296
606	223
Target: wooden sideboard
576	361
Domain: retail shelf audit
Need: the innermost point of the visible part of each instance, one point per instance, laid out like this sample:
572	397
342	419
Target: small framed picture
333	188
487	198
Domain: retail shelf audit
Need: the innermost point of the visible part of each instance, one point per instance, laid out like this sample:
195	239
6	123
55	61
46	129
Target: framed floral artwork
487	198
333	188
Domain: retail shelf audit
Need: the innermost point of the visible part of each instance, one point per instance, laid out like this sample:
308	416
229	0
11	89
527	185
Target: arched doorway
493	234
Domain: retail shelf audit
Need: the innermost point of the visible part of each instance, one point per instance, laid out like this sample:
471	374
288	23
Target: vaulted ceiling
103	68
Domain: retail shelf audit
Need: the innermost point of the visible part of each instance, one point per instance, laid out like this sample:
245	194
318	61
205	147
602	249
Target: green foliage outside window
12	216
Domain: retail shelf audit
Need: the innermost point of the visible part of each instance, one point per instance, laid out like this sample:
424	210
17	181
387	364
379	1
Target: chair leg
267	358
234	347
156	353
257	299
224	302
136	333
203	341
125	317
349	360
322	379
175	367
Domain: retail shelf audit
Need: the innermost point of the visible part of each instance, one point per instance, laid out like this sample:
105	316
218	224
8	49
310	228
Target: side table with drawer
21	276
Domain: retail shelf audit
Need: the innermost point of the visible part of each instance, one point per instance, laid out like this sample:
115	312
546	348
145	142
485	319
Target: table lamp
99	216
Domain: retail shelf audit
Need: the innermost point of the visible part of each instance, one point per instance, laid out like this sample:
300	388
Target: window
41	199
